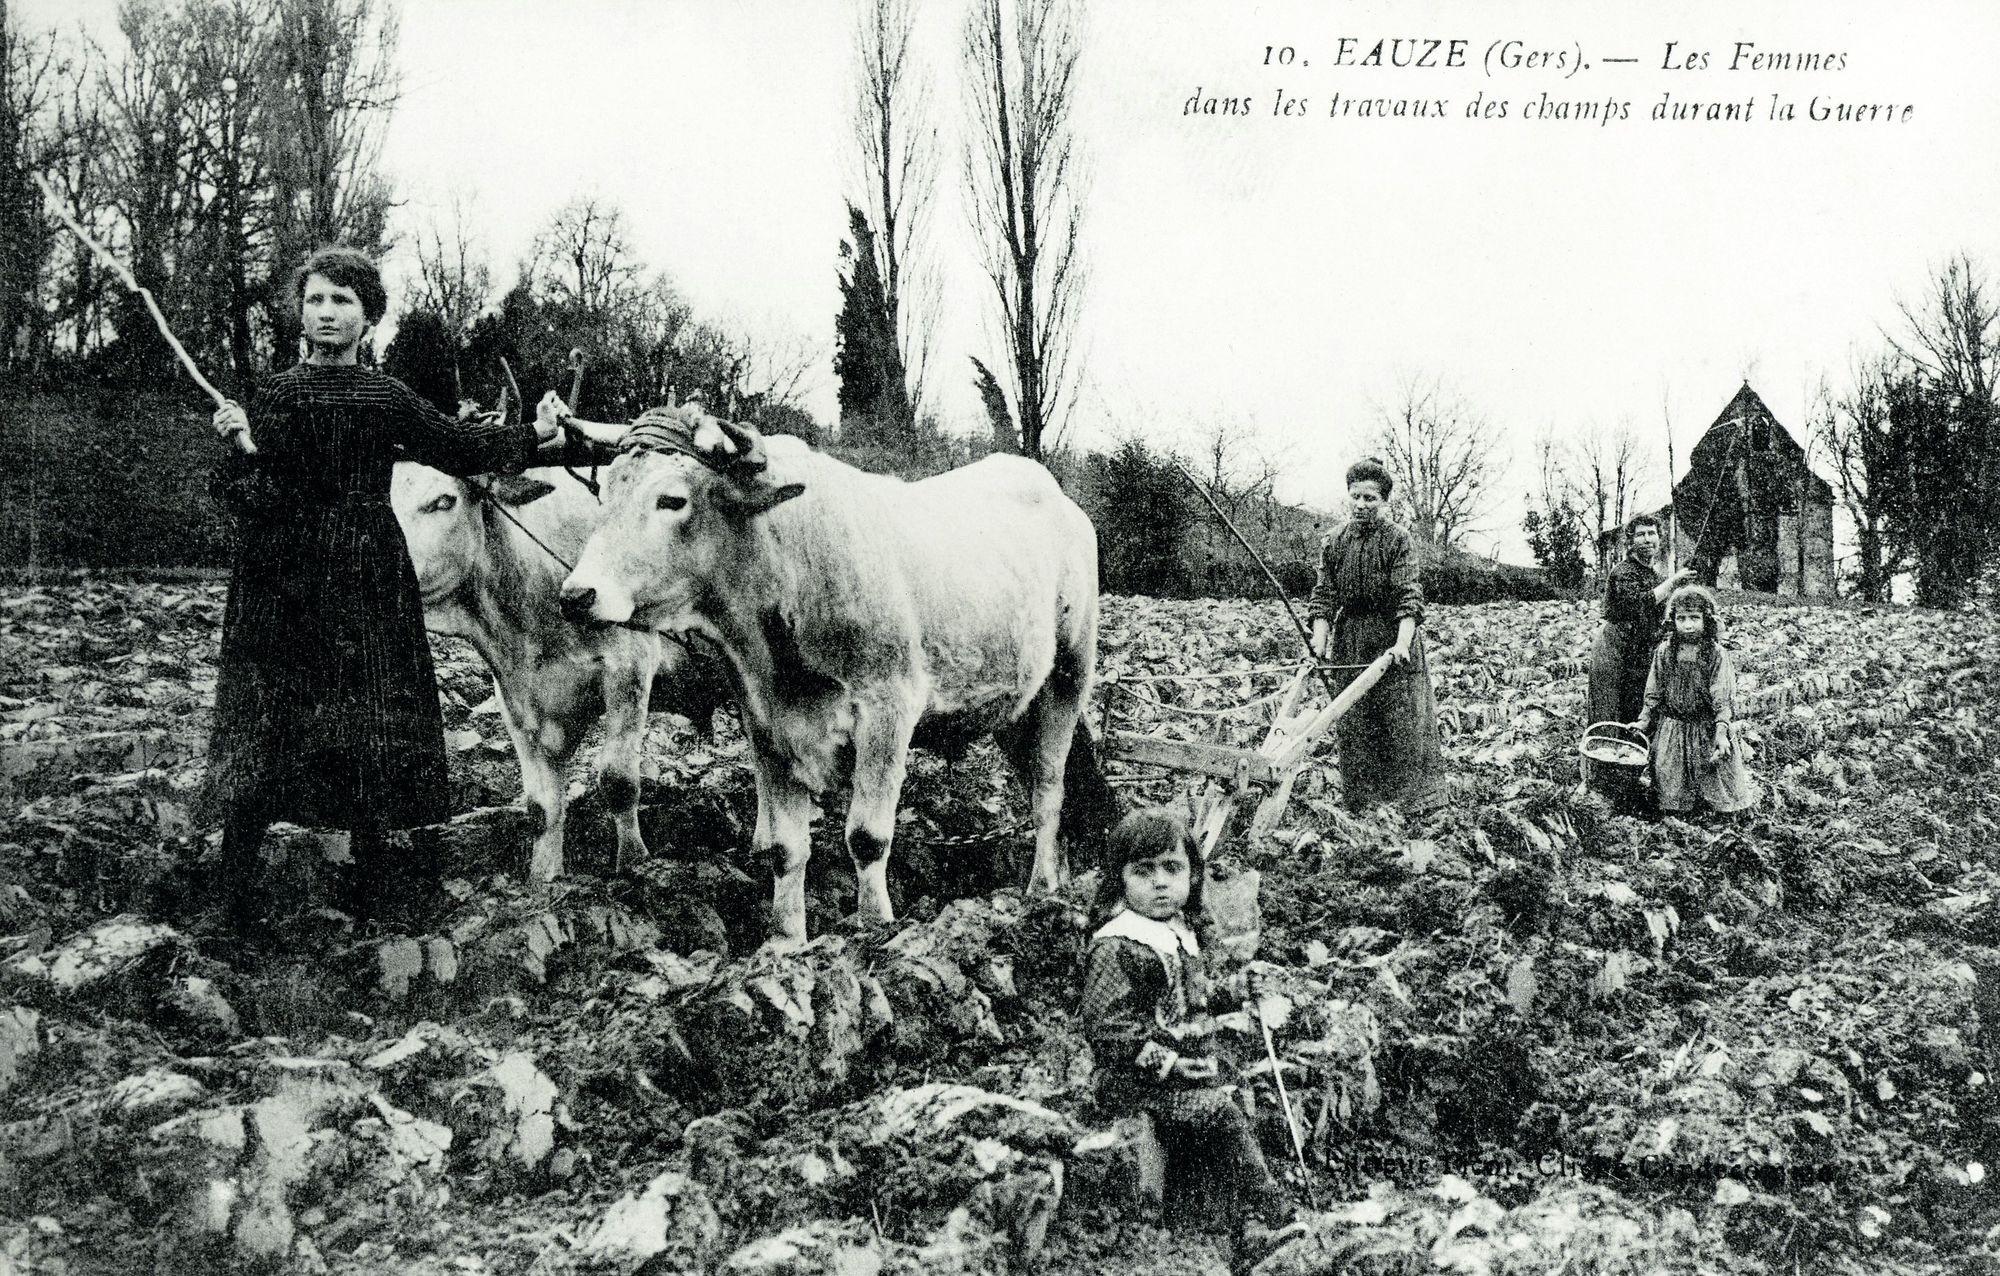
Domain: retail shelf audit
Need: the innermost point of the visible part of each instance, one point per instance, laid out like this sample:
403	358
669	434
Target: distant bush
109	477
1453	576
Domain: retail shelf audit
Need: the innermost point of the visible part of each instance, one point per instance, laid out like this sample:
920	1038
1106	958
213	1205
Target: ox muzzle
579	605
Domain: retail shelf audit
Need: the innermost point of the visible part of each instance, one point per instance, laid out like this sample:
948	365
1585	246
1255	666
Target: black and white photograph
972	637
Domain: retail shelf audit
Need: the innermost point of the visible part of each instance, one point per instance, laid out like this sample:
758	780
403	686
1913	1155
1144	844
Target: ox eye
671	503
439	504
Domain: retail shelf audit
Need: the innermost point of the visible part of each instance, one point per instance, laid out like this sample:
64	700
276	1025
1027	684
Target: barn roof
1746	408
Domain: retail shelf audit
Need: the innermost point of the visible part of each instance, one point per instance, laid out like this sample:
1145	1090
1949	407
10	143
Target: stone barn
1749	513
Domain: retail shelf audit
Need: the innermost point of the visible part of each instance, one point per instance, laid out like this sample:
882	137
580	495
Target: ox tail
1090	806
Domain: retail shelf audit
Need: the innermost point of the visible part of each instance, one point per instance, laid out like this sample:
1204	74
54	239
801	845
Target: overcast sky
1278	274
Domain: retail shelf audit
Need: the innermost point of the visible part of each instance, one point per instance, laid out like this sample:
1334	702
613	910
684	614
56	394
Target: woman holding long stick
326	706
1370	596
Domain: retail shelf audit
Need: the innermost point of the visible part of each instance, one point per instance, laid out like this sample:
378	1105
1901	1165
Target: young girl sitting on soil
1690	705
1146	992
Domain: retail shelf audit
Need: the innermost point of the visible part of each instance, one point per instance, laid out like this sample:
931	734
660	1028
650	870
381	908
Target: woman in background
1369	597
1633	597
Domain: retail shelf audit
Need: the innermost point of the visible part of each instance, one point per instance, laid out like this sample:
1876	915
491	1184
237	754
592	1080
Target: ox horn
749	444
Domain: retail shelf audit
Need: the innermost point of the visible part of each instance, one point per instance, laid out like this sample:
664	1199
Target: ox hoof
782	944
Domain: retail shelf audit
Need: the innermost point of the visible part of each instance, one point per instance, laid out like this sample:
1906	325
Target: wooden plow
1263	773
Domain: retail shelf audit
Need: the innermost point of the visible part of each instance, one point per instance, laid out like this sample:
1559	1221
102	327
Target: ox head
682	504
445	519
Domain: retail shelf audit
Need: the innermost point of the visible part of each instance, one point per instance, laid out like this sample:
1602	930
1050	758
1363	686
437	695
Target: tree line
1912	433
211	145
213	142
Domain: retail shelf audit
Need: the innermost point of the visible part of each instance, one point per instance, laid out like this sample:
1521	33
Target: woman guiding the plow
1634	594
1369	597
326	703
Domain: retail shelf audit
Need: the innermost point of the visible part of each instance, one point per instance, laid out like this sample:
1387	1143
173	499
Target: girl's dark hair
1644	520
1147	832
350	268
1370	469
1696	598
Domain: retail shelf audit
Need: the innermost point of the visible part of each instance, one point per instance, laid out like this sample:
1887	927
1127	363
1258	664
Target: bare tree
898	180
776	368
147	178
1612	463
1020	65
583	260
1239	475
1236	471
36	133
1553	479
329	86
1953	336
1445	459
453	279
1854	426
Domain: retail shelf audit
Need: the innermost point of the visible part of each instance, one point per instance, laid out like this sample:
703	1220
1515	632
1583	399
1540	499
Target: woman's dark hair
1370	469
1147	832
350	268
1644	520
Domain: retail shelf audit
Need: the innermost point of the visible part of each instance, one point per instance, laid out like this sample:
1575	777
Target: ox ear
746	500
519	489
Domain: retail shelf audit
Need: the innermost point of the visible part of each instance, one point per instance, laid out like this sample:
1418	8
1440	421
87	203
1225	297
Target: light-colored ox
850	608
484	580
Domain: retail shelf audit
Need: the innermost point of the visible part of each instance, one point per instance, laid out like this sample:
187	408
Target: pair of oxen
850	614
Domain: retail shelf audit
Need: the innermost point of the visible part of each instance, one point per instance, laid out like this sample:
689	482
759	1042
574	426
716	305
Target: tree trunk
1869	572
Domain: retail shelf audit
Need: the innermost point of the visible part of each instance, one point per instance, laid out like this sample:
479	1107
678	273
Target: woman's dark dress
1368	582
1624	651
326	703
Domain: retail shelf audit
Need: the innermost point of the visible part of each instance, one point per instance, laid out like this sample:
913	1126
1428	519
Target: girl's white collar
1169	938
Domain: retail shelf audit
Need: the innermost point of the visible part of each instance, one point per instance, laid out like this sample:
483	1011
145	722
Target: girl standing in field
1146	994
1369	596
326	703
1689	709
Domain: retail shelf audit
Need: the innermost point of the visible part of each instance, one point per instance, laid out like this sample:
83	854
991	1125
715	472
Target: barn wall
1820	577
1788	554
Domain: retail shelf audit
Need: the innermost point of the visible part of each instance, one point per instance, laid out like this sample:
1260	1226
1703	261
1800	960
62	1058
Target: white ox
484	580
850	607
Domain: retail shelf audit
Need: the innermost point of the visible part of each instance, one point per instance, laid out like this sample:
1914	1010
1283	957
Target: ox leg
1038	746
881	759
543	786
618	759
784	832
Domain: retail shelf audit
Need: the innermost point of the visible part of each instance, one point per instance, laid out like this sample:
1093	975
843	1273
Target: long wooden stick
1305	638
1673	506
1285	1099
125	276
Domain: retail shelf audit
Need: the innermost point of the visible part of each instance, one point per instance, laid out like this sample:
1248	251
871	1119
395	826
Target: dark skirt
326	702
1618	666
1389	740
